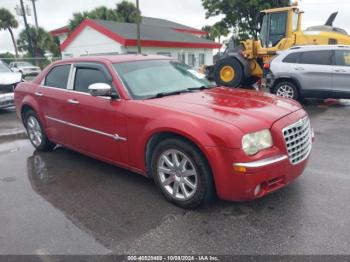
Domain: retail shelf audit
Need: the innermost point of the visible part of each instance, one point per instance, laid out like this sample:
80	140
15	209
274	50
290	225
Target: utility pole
35	16
138	28
31	51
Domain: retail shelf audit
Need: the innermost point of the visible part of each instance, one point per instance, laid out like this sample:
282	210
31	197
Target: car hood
248	110
10	78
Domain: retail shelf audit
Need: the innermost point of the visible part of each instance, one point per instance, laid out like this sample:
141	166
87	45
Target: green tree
101	12
208	29
43	42
240	15
216	31
8	22
125	12
219	29
7	57
128	11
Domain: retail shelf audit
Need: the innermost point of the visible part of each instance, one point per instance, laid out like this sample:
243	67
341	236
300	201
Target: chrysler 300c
159	118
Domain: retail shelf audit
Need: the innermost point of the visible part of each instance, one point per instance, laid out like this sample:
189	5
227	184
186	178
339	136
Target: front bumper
6	100
242	178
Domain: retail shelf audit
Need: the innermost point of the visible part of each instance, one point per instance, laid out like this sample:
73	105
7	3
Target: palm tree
42	41
8	22
125	12
219	29
101	12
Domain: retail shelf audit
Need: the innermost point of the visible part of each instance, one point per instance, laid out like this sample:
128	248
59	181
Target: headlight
254	142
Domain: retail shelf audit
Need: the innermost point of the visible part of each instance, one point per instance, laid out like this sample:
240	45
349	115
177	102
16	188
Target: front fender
204	133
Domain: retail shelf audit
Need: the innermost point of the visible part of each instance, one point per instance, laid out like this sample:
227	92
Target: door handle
38	94
299	68
340	70
73	101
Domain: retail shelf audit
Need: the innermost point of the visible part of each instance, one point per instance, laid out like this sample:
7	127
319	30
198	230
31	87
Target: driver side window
84	77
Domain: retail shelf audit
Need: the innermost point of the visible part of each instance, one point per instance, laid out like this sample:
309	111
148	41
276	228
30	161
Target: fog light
257	190
240	169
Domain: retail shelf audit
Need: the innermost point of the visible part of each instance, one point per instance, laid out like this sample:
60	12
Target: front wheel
286	89
182	173
228	72
36	132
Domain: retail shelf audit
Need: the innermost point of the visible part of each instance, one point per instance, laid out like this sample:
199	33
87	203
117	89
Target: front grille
298	140
5	89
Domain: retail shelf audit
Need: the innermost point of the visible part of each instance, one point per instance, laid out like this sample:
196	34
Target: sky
56	13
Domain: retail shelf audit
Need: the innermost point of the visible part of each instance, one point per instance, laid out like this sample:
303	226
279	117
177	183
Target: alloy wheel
285	91
34	131
177	174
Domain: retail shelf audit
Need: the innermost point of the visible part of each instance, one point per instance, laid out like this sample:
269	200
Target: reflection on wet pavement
98	198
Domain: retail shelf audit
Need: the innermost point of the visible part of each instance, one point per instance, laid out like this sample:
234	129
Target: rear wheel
182	173
36	132
228	72
286	89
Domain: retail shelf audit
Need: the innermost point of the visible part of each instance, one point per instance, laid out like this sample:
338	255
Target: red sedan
161	119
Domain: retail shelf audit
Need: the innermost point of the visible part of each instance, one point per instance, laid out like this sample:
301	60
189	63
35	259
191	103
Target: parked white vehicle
317	71
25	68
8	81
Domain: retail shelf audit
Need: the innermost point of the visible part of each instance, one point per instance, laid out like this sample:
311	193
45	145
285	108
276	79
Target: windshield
24	64
147	79
4	68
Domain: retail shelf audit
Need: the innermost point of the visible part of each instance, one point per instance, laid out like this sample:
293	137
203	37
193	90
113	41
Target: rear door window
323	57
342	58
84	77
58	77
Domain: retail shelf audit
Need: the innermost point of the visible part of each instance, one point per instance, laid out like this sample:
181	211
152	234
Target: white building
158	36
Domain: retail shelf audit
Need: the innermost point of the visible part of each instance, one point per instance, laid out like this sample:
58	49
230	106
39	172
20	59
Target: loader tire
228	72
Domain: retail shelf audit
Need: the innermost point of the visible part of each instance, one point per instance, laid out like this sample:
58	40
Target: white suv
310	72
25	68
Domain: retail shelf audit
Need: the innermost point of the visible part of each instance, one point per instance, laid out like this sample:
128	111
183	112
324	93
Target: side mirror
100	89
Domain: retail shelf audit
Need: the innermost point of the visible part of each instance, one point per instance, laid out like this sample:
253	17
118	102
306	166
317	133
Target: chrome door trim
113	136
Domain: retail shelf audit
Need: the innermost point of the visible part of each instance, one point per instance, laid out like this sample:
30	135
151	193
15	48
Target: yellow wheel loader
280	29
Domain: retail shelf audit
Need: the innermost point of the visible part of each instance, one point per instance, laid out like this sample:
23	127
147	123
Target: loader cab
276	25
273	28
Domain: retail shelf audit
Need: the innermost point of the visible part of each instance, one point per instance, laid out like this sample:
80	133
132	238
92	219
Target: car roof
318	47
115	58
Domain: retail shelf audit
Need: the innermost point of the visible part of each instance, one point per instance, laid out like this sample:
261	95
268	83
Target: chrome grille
298	140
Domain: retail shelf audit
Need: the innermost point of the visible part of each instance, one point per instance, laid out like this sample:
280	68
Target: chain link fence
42	62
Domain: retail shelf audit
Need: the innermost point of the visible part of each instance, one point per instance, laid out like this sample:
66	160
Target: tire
191	179
36	132
225	66
286	89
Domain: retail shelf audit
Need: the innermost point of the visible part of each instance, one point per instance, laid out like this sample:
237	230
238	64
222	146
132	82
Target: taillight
267	66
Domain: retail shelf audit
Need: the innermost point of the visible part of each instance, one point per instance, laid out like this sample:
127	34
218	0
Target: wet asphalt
62	202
